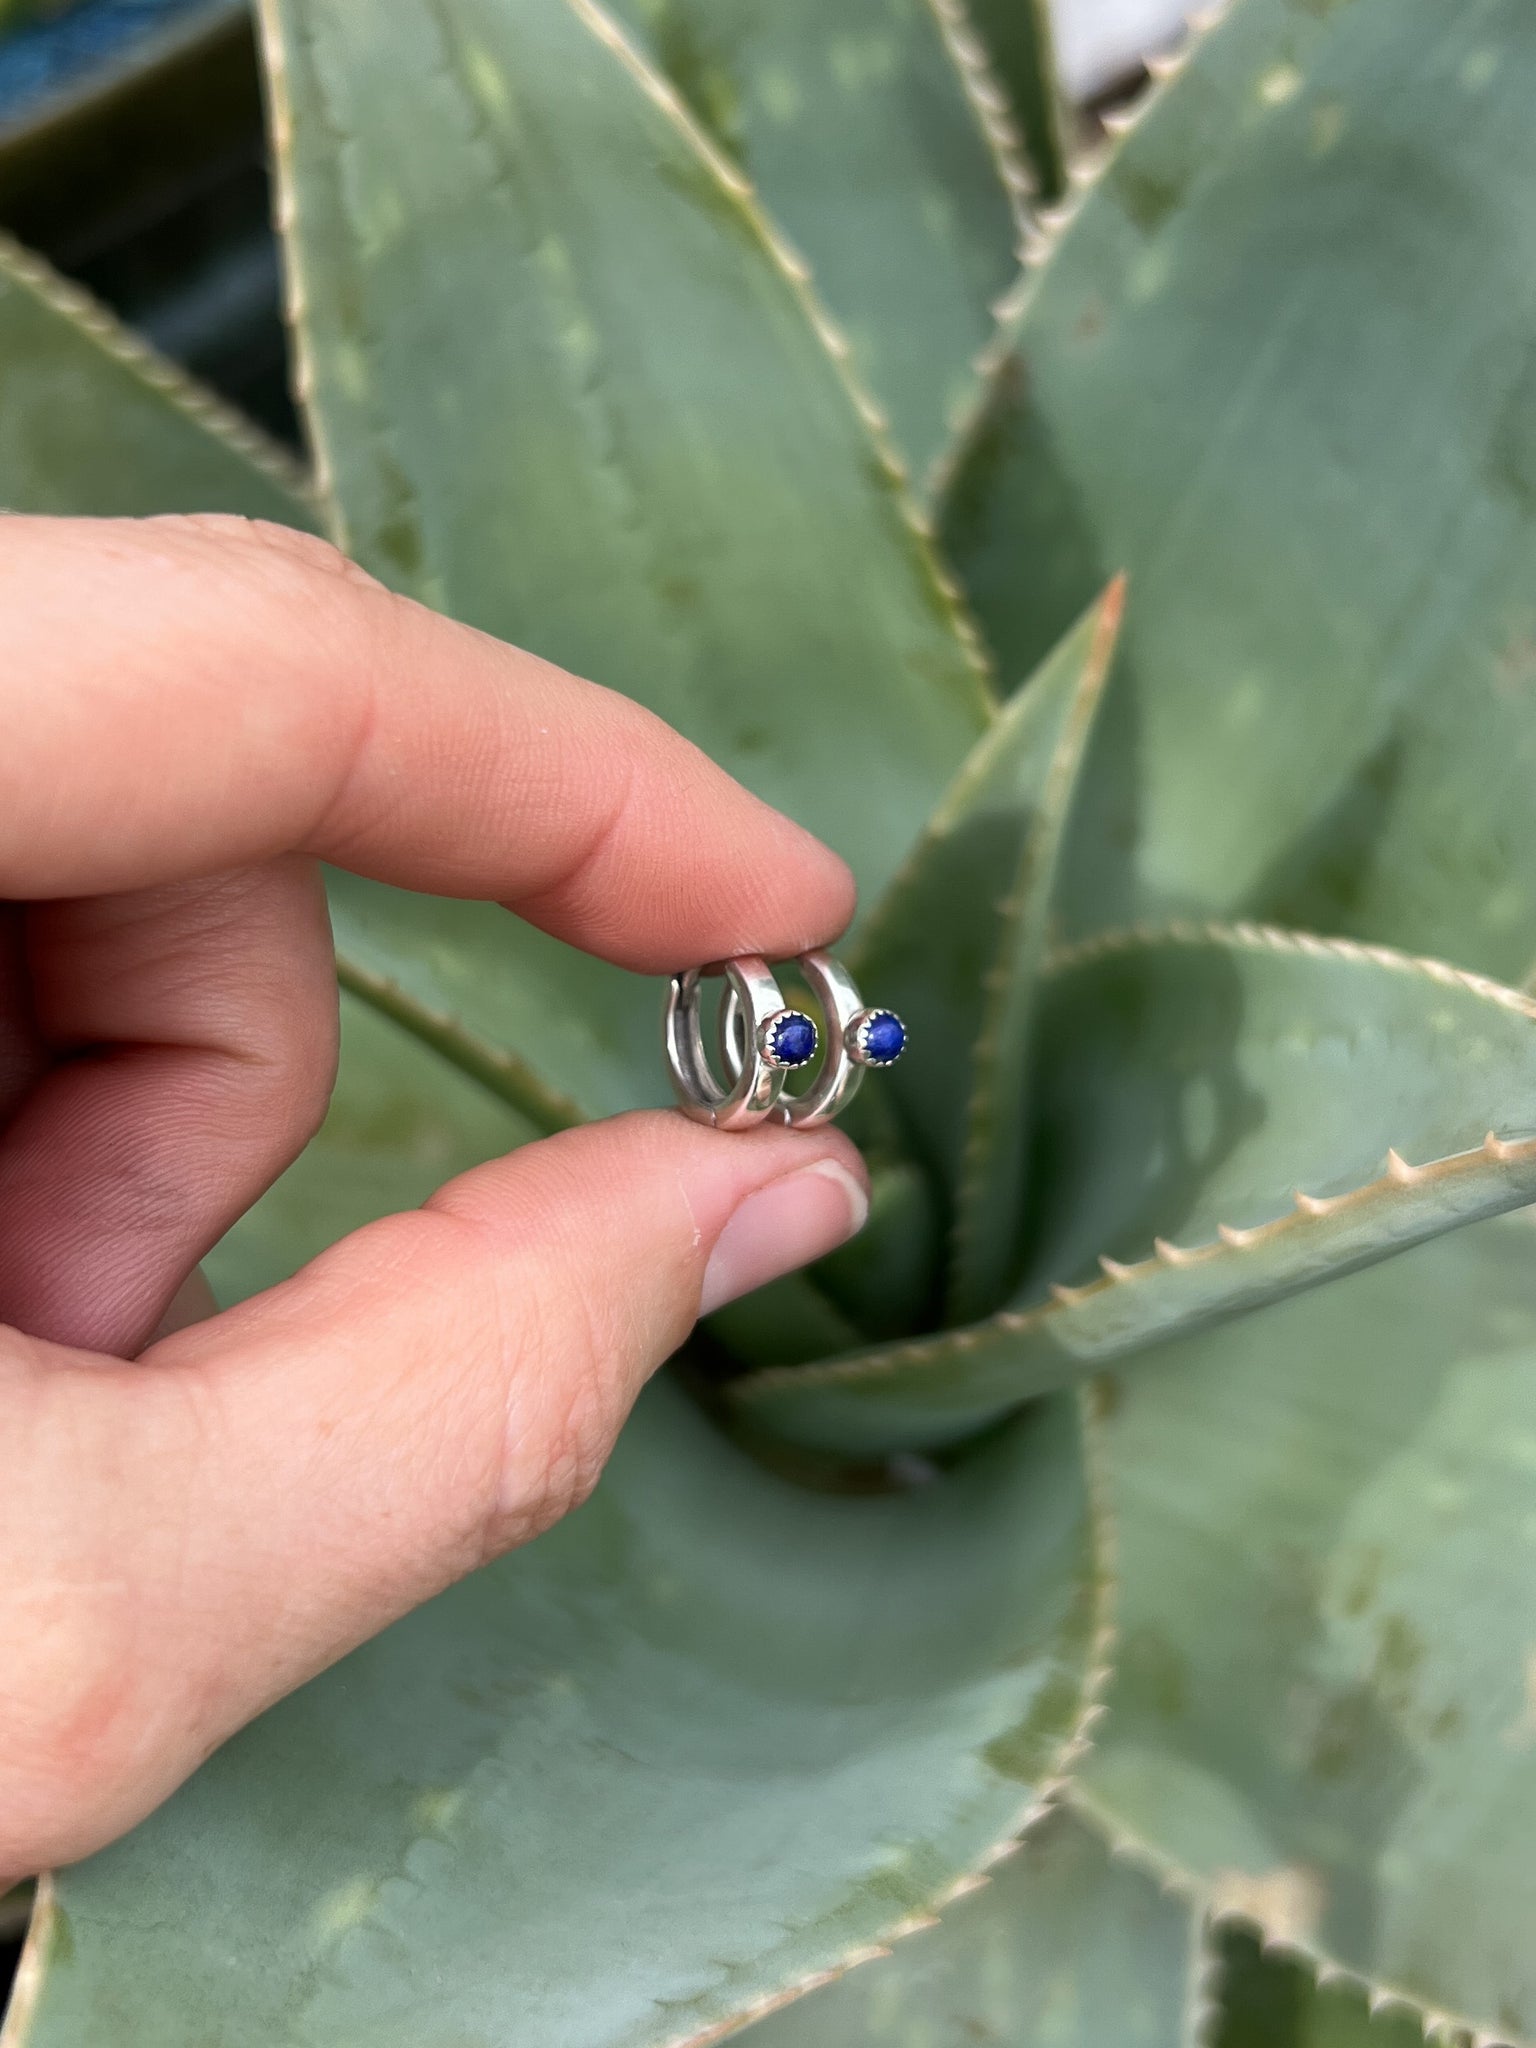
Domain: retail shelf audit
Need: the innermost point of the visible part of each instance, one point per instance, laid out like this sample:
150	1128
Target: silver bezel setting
769	1031
858	1048
752	1009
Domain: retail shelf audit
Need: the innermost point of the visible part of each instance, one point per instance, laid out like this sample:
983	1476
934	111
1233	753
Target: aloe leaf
94	422
880	147
887	1278
1323	1710
1267	1999
1022	49
1224	1115
709	1737
470	981
635	451
989	1171
1277	370
400	1123
563	1036
565	385
955	945
1061	1947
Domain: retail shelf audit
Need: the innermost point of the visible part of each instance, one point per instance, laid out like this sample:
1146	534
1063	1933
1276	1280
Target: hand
194	712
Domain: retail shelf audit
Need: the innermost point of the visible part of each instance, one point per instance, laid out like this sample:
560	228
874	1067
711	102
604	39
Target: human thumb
205	1528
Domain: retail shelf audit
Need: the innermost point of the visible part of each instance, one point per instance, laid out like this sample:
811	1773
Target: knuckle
557	1363
287	1070
248	955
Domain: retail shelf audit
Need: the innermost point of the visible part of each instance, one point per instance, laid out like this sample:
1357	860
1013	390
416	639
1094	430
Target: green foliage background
689	346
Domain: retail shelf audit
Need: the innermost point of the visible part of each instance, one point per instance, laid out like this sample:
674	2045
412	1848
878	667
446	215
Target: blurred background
131	156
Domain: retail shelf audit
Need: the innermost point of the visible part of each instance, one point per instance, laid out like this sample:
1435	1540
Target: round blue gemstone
792	1040
885	1038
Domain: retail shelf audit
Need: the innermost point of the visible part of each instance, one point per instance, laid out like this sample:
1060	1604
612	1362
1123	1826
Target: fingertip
783	1225
832	893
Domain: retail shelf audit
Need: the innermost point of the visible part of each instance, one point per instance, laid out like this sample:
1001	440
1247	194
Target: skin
197	711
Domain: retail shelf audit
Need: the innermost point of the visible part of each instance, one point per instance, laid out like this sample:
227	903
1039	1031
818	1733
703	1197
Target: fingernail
797	1218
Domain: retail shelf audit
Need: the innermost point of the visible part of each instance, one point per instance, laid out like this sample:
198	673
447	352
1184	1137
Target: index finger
183	696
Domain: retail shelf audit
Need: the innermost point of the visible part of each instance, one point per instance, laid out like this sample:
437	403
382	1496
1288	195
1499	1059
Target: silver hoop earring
857	1038
761	1039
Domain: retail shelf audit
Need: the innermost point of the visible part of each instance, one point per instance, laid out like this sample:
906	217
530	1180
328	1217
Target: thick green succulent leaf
1279	368
1224	1114
1020	43
887	1278
1063	1947
93	422
875	140
707	1738
1267	1999
400	1123
1323	1709
562	1036
956	945
564	385
410	957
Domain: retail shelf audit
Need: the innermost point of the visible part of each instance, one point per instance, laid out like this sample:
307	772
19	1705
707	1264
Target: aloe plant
1097	1602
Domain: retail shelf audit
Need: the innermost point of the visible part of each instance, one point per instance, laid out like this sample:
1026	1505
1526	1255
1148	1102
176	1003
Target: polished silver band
755	1081
760	1040
837	1083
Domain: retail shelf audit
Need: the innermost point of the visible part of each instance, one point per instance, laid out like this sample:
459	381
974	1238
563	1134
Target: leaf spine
1165	64
1054	220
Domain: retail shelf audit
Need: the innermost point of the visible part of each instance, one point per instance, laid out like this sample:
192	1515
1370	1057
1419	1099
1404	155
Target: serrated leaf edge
1398	1175
988	102
1075	1745
221	422
1037	866
931	1353
738	191
1045	158
285	218
502	1072
1202	1995
1179	1881
1044	235
32	1968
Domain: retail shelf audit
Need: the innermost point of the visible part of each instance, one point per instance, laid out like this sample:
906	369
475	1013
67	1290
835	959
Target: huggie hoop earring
856	1038
768	1039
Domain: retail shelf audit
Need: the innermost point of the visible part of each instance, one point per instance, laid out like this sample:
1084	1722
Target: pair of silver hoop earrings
761	1041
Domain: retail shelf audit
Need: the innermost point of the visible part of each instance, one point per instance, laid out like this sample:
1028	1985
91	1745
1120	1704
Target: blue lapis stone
792	1041
884	1038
